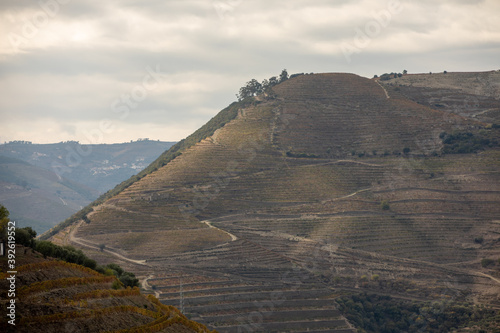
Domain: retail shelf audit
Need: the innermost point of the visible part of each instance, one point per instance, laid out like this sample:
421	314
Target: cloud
61	75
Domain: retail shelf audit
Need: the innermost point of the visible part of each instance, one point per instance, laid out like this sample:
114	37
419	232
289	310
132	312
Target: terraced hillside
337	185
473	95
56	296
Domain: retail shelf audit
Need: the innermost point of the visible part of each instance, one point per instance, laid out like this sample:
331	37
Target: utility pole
182	296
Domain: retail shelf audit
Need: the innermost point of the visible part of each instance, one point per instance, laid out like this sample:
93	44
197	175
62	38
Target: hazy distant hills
331	184
36	197
99	166
43	184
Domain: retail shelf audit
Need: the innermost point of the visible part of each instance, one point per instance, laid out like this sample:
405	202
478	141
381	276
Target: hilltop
332	185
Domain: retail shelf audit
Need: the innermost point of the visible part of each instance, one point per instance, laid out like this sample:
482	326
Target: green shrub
118	271
116	285
25	236
90	263
479	240
487	262
466	142
46	248
129	280
378	313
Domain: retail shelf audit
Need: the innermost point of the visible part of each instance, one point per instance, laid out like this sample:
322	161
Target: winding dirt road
95	246
233	237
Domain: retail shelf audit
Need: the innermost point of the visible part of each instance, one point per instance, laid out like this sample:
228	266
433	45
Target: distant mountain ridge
37	197
99	166
43	184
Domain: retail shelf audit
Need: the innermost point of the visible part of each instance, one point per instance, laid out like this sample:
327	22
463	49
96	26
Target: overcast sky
118	70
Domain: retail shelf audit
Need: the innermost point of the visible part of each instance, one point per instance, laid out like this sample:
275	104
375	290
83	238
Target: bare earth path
233	237
386	93
95	246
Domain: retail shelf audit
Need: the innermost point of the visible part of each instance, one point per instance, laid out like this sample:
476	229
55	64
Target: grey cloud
206	59
73	9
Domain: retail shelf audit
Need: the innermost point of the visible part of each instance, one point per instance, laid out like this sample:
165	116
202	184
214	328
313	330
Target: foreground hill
335	184
56	296
43	184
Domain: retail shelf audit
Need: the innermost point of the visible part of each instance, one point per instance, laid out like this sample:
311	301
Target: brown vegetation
335	180
59	302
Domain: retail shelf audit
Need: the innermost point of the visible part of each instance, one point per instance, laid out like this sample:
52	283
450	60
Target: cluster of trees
67	253
254	87
18	142
392	75
127	278
466	142
376	313
70	254
4	221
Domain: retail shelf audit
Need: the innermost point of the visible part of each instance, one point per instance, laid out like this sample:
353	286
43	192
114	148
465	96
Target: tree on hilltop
254	88
251	89
283	76
273	81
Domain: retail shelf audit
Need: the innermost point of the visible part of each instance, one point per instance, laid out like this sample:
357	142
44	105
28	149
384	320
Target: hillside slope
338	183
56	296
473	95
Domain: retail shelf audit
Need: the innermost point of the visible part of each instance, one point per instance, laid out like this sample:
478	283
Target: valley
43	184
